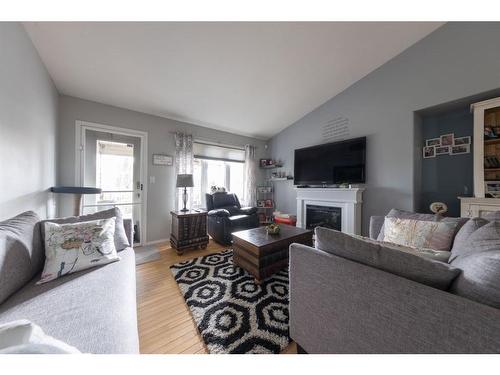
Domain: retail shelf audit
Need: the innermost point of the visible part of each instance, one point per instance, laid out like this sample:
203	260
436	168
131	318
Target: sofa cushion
121	240
93	310
437	235
433	273
480	265
75	247
401	214
21	252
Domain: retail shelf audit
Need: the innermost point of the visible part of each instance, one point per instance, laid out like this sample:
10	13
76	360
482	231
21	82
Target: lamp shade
184	180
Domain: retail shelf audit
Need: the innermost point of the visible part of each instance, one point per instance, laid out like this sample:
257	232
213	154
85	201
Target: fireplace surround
348	202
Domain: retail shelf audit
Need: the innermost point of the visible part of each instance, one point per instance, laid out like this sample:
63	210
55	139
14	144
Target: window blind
214	152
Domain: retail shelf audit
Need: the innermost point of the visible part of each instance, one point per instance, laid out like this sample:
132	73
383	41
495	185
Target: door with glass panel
112	162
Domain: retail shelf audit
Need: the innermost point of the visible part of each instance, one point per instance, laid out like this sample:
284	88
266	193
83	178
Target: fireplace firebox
323	216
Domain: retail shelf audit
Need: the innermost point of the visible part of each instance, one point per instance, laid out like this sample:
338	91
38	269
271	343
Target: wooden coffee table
263	254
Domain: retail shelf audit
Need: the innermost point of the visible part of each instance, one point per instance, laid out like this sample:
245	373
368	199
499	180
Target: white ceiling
247	78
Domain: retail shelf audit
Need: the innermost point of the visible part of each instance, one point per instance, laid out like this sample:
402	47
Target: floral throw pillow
74	247
435	235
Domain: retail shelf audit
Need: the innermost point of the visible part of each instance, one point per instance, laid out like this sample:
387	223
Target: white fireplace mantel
348	199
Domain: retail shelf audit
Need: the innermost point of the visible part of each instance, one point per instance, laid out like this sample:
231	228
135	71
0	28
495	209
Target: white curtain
250	177
183	165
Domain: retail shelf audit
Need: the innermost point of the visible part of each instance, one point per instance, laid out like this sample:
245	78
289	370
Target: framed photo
442	150
461	141
262	217
447	139
429	152
460	149
433	142
160	159
268	203
261	203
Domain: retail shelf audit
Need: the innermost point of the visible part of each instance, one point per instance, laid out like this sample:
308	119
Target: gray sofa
347	304
93	310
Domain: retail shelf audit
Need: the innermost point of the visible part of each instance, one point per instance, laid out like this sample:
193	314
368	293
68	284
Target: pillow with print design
435	235
75	247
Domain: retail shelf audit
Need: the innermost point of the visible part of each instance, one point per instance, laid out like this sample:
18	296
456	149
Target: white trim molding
81	127
349	200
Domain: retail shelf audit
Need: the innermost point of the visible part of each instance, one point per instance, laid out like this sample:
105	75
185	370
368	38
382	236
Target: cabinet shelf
492	169
492	141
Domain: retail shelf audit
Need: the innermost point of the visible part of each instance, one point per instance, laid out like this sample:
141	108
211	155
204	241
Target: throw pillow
480	277
25	337
387	258
75	247
21	252
436	235
120	237
401	214
461	244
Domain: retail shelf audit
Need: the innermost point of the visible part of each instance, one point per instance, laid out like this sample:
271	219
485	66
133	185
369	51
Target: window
115	174
219	166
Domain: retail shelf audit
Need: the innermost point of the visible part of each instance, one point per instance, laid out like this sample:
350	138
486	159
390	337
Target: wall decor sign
446	144
161	159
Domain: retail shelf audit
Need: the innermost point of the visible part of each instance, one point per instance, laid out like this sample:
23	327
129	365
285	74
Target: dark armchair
225	216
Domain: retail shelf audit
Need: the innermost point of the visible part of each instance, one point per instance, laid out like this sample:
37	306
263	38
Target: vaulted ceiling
248	78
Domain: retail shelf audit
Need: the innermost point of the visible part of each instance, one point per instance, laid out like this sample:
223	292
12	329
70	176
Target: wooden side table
189	230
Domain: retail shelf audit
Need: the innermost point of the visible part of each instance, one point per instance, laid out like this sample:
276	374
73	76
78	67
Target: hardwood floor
165	322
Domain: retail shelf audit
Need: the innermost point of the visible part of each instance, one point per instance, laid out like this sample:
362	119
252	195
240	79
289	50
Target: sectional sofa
92	310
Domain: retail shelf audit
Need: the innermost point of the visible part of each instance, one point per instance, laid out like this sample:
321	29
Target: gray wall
161	193
446	177
456	61
28	126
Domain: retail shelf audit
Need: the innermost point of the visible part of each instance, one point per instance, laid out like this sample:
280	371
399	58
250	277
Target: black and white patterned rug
232	312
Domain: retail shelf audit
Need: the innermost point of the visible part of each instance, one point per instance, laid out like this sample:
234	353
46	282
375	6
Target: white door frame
80	128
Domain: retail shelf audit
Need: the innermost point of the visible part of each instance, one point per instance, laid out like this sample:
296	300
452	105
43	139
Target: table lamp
184	181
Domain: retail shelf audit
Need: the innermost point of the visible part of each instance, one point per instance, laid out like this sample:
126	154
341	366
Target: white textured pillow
75	247
25	337
435	235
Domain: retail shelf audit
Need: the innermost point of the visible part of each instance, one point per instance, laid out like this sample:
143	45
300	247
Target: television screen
331	163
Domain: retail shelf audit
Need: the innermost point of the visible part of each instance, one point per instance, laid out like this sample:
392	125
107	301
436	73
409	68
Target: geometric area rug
233	314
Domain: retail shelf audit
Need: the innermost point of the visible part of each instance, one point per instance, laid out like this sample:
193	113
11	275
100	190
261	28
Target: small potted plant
273	229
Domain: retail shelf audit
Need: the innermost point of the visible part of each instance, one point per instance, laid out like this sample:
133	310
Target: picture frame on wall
447	139
429	152
442	150
462	141
161	159
433	142
460	149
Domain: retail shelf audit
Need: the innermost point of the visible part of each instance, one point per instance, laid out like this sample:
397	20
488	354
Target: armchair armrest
248	210
220	212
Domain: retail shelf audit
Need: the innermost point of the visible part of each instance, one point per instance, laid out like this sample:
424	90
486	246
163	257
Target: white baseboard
157	241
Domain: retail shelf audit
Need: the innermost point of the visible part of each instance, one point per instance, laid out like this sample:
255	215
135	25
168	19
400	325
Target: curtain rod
214	142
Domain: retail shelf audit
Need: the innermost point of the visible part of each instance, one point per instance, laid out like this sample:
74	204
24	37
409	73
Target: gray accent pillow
21	252
480	265
461	245
433	273
120	237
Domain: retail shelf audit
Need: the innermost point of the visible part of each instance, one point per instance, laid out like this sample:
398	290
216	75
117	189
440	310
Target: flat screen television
331	163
